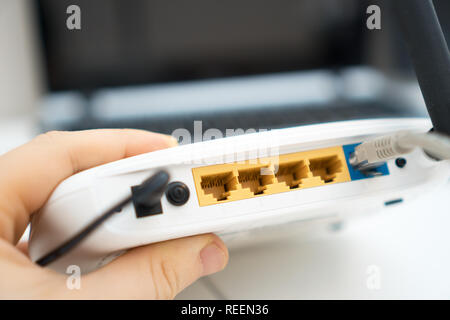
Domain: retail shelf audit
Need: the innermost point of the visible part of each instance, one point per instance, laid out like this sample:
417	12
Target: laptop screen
125	43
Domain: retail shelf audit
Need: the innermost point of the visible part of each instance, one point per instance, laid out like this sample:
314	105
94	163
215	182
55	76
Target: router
310	178
265	179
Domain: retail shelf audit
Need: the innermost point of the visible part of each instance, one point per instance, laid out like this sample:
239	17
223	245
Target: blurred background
160	65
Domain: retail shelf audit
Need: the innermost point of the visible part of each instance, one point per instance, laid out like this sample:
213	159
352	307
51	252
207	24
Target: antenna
430	57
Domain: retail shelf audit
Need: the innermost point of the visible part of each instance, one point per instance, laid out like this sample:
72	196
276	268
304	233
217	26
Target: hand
30	173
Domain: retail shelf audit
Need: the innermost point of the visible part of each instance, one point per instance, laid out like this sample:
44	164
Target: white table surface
408	246
403	252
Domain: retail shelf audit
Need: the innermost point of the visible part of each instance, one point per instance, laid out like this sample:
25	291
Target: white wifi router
231	185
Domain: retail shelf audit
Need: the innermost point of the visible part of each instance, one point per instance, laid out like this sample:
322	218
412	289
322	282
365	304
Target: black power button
177	193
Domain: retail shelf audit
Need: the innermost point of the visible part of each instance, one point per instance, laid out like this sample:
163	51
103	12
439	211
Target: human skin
29	174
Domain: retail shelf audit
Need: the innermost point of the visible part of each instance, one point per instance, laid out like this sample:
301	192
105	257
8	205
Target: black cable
430	56
148	193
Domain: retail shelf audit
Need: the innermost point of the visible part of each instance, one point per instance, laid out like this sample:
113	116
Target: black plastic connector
145	198
146	205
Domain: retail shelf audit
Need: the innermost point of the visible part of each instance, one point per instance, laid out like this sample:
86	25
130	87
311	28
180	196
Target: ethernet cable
372	153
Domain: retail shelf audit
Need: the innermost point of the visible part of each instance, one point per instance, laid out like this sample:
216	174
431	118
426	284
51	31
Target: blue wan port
356	174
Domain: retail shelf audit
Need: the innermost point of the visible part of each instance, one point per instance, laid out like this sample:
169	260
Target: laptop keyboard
245	119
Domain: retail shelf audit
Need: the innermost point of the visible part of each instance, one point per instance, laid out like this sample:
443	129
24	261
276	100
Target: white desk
409	245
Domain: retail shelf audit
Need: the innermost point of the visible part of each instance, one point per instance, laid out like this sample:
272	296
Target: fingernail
171	141
213	259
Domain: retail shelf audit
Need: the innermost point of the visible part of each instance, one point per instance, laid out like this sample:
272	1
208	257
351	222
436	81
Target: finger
29	173
23	247
157	271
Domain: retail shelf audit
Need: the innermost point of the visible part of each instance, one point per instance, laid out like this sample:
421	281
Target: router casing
237	184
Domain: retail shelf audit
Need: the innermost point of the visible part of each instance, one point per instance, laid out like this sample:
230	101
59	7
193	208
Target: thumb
157	271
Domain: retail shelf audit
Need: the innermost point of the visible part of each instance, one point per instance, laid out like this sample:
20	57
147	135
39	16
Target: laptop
209	65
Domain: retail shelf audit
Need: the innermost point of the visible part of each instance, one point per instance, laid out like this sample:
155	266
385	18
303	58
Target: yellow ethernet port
219	185
237	181
326	168
292	173
252	179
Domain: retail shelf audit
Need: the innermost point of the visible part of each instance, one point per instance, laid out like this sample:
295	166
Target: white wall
20	75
